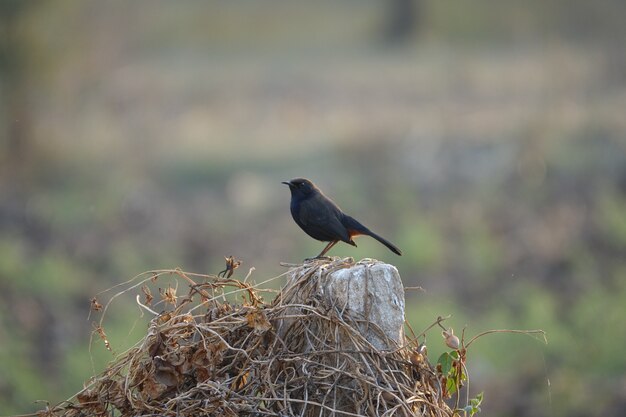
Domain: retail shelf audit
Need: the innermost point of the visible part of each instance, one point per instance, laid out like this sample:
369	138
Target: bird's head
301	187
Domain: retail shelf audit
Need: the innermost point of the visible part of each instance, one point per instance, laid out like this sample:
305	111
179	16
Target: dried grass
295	356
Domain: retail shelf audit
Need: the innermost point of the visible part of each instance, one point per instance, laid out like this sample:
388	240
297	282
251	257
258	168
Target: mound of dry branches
207	356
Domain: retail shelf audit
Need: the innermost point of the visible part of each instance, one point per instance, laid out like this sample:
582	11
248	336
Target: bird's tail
356	228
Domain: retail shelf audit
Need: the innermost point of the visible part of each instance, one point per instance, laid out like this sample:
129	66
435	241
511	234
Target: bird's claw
317	258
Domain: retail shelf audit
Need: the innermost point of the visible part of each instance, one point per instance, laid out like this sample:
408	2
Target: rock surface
373	291
369	292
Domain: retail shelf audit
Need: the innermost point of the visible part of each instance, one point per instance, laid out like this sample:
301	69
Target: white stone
369	292
373	291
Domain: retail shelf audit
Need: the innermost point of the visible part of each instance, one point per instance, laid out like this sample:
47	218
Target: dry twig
207	356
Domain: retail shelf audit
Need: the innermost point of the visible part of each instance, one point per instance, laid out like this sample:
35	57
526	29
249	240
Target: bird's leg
326	249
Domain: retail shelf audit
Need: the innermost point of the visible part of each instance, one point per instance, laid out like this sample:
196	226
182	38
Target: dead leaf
87	396
167	376
98	329
240	382
156	346
95	305
258	321
200	358
165	373
169	295
165	317
153	389
231	265
202	374
148	295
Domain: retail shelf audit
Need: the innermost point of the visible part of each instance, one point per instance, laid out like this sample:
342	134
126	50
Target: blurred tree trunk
14	71
402	20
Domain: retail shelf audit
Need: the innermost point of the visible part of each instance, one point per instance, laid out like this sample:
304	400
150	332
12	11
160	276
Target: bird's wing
321	219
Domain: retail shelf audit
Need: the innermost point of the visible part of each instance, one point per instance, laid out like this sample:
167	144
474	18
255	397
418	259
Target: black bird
323	220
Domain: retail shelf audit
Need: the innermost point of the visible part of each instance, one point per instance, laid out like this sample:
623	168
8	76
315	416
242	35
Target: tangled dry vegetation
208	356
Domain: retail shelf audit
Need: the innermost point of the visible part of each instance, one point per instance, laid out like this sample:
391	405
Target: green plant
452	371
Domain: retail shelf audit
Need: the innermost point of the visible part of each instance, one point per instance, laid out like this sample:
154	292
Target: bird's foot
317	258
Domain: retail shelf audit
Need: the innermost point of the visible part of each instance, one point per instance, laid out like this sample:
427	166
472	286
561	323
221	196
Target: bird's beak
288	183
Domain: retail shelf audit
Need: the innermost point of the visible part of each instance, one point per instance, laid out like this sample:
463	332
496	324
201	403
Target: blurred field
489	144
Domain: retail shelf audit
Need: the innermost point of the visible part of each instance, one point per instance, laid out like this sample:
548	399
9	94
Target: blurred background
487	139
